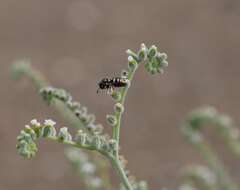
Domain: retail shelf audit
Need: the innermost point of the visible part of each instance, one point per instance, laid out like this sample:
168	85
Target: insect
111	83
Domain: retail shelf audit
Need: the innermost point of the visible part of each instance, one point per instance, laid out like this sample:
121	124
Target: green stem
39	82
71	143
118	167
115	161
123	93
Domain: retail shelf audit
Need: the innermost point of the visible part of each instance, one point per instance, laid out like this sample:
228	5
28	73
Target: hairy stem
116	129
118	167
39	82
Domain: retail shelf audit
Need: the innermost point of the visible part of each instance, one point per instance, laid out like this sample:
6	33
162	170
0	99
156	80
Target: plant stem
123	93
114	160
118	167
215	164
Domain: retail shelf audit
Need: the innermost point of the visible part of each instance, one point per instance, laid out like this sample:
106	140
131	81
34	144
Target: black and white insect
111	83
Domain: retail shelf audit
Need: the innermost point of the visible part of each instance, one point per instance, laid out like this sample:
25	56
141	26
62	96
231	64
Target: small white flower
128	51
112	141
130	58
76	154
34	122
96	182
27	127
143	46
49	122
88	168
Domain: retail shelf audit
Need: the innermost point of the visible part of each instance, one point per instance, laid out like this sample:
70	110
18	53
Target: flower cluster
50	94
200	176
26	140
155	62
209	115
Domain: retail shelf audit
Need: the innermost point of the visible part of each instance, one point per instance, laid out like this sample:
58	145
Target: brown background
75	43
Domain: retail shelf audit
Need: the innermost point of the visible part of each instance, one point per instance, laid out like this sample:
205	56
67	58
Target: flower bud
30	131
47	94
49	131
118	108
131	53
64	135
161	58
98	129
124	74
62	95
116	95
96	142
27	150
24	136
49	122
142	54
132	63
75	105
111	119
34	122
152	51
81	137
91	118
113	145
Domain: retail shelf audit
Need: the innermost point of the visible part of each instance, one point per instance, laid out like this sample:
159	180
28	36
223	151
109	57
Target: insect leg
110	90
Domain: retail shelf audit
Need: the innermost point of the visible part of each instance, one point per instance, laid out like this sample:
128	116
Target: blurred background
75	43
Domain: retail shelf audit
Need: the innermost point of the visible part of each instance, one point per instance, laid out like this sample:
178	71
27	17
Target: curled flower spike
90	137
26	140
24	68
86	119
224	125
201	177
26	146
225	128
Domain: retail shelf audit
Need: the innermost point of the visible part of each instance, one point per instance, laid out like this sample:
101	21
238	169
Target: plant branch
226	129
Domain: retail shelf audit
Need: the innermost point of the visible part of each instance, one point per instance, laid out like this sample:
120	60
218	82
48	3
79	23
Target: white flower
27	127
88	168
130	58
96	182
143	46
34	122
49	122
